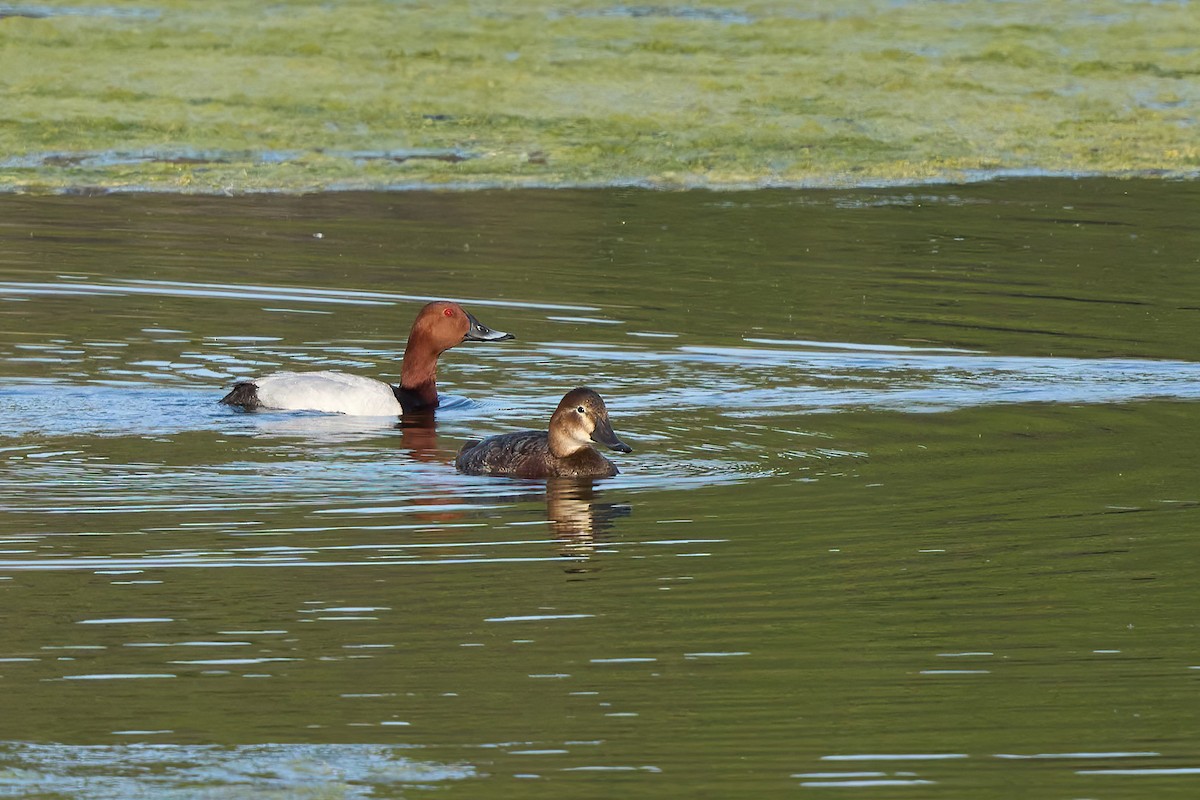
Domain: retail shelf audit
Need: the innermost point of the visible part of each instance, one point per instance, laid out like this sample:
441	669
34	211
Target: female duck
438	327
563	451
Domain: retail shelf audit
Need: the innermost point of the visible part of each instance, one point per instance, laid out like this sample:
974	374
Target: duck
439	326
565	450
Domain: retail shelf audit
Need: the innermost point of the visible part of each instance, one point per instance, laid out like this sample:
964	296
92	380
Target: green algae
298	96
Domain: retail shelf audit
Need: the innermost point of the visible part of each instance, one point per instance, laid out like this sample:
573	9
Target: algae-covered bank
222	95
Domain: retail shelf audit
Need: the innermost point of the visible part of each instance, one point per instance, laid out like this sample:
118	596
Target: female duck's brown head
439	326
581	419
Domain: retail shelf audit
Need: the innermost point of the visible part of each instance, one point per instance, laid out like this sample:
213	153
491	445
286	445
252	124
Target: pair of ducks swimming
565	450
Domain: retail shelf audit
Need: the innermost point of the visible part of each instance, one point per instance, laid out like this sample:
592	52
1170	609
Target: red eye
449	312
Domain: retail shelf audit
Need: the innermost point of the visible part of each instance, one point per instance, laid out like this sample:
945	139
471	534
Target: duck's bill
478	332
604	435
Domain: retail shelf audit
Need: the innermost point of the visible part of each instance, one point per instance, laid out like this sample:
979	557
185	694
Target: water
910	512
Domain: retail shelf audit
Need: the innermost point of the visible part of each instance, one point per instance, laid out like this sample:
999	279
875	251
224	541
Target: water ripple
192	772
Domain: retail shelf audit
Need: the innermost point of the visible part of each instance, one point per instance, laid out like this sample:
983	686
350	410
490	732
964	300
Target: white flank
334	392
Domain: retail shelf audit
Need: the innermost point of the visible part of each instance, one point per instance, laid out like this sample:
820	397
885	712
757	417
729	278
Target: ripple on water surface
192	771
701	417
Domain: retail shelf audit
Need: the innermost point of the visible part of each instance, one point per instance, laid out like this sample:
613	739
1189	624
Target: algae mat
300	96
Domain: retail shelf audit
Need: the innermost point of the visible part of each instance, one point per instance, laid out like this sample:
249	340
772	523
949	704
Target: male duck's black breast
412	402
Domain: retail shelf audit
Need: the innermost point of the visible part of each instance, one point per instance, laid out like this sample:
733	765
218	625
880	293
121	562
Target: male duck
438	327
563	451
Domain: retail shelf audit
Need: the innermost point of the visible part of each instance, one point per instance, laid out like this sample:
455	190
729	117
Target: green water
910	512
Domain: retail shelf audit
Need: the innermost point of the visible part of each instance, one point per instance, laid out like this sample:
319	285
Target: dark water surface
912	512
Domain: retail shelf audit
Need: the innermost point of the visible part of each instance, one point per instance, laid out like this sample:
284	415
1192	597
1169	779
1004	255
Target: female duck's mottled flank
438	327
563	451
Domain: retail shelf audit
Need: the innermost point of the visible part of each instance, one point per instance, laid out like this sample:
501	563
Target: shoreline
228	97
823	183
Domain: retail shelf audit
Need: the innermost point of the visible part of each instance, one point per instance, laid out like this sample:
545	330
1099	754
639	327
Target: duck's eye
449	312
581	410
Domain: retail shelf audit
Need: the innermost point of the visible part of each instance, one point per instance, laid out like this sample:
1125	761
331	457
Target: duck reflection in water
579	522
565	455
418	435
